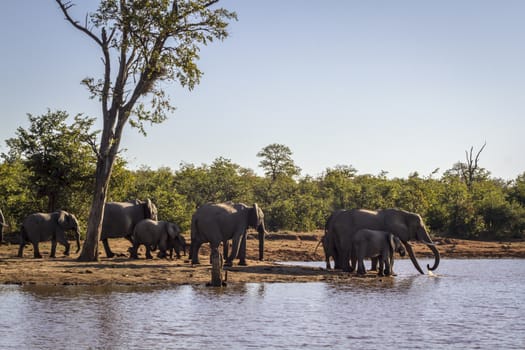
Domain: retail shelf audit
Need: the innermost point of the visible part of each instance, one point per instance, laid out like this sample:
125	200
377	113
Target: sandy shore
279	248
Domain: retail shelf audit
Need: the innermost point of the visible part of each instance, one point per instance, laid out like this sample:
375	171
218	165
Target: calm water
470	304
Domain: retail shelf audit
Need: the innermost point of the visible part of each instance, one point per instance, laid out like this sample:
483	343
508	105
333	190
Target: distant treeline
51	166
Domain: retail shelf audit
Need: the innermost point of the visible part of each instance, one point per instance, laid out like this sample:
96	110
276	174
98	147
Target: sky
398	86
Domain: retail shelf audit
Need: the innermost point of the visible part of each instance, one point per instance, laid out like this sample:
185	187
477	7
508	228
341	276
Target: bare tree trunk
51	202
2	224
96	215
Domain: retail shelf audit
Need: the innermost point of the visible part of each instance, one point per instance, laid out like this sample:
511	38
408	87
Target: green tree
225	181
160	186
339	187
517	190
192	182
59	156
16	198
277	161
143	43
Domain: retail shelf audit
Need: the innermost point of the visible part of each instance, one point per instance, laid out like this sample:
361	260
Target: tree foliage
491	208
144	43
277	161
58	156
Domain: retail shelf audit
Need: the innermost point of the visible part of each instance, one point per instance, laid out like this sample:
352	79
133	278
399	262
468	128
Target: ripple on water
468	304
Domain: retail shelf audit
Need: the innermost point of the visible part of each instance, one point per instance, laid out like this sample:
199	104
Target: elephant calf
373	243
165	235
40	227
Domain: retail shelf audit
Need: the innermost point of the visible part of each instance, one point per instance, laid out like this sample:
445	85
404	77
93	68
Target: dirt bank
280	247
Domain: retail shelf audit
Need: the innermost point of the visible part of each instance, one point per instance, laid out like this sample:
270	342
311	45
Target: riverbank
279	247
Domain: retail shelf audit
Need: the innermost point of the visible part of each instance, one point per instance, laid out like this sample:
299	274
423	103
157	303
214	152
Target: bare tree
143	43
471	170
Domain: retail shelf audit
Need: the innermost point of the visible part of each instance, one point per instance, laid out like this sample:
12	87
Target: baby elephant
161	234
40	227
372	243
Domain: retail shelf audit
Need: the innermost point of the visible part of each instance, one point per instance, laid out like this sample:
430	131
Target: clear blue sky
400	86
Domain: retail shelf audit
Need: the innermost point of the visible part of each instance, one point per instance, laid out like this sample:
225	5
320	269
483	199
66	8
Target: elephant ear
416	227
62	216
150	210
256	217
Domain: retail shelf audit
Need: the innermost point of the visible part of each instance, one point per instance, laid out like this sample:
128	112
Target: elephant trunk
436	256
261	234
413	257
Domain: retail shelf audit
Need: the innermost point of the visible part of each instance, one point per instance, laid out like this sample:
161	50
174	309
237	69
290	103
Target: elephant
40	227
120	219
328	242
155	233
367	243
178	245
343	224
216	223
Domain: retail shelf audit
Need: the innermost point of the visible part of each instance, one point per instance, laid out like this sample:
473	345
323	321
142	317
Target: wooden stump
216	268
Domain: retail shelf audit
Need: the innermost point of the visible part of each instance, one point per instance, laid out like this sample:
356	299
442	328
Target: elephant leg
374	264
346	263
163	246
134	249
382	267
391	262
21	247
242	251
361	266
225	247
62	240
235	250
148	252
353	265
21	250
327	260
194	250
53	248
36	251
388	267
109	253
337	262
130	239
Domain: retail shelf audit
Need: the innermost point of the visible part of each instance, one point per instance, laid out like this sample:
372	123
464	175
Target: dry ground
279	247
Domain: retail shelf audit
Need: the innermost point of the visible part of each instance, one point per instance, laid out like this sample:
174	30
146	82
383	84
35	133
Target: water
469	304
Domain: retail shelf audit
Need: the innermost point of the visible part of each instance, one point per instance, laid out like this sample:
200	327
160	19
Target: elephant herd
350	235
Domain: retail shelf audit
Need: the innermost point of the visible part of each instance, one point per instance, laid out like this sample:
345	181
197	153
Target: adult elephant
216	223
120	219
40	227
405	225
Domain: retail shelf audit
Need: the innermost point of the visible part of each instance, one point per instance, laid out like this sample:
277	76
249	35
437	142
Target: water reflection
470	303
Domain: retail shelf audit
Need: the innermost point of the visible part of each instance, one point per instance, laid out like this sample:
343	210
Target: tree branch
65	6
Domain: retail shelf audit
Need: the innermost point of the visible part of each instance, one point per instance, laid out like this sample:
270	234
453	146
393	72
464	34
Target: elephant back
120	218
